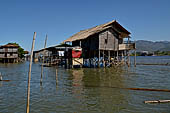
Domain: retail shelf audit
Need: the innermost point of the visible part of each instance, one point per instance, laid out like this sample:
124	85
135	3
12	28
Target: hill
144	45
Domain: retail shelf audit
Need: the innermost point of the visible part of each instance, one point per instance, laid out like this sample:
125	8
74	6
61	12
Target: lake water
86	90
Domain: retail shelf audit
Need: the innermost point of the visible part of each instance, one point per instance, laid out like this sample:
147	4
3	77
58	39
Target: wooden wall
108	40
90	43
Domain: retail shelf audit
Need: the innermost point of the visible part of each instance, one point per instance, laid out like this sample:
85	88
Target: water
86	90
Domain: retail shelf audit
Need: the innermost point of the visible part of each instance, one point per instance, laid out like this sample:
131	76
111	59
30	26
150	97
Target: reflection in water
85	90
91	82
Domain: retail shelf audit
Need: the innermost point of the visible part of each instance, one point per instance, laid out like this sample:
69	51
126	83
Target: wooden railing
9	56
129	46
8	50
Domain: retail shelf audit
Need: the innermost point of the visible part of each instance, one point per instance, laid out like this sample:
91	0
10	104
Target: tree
20	52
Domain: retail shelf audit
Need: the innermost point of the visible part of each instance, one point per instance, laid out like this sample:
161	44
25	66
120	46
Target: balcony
126	46
9	56
11	50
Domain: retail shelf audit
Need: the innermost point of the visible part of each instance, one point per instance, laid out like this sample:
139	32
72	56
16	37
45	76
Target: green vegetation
20	50
157	53
137	54
162	53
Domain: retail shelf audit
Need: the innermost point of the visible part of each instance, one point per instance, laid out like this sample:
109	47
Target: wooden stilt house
103	45
9	53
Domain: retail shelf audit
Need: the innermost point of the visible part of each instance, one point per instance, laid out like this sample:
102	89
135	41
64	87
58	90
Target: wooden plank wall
108	40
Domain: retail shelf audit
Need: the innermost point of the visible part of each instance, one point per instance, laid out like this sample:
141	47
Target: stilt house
103	43
9	53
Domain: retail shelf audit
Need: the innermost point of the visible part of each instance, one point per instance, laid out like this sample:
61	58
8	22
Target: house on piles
9	53
103	45
54	55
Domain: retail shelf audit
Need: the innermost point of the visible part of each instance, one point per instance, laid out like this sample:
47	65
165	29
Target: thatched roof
89	32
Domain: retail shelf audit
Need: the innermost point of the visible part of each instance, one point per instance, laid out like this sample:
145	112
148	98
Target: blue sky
60	19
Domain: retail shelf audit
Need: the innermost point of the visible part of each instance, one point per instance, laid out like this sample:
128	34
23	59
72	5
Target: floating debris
2	79
157	101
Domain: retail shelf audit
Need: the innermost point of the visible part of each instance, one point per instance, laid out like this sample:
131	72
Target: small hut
54	55
103	45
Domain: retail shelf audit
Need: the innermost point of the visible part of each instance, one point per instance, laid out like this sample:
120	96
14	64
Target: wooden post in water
94	62
56	76
135	55
43	60
99	59
103	59
117	55
0	77
128	53
109	57
122	56
29	73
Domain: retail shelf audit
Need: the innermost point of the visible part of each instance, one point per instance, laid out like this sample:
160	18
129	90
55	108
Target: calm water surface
86	90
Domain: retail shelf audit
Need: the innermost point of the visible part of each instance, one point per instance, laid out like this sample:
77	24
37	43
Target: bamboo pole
56	76
140	89
29	73
128	53
156	101
135	55
153	64
43	60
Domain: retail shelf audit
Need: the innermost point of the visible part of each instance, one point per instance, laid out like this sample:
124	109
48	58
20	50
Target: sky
60	19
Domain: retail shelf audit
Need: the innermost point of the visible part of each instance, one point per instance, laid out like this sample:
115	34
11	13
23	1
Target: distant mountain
143	45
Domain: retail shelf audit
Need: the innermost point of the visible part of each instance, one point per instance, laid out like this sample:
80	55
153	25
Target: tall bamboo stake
135	55
29	73
43	59
128	53
56	76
